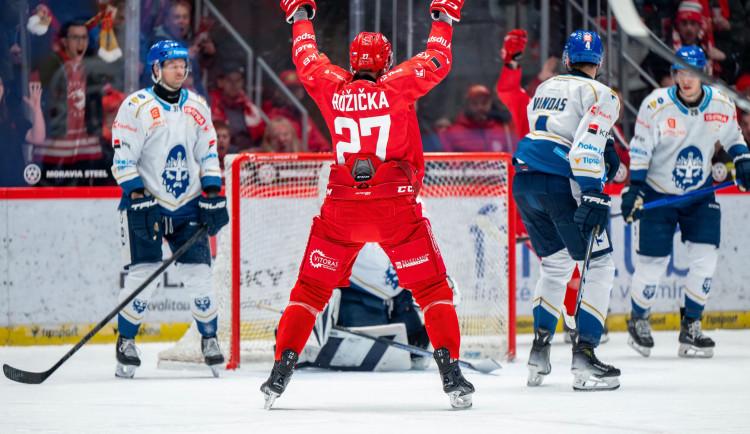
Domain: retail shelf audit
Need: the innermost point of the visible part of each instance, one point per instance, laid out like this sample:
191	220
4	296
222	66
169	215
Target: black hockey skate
280	375
454	384
589	373
127	358
693	343
212	353
639	335
539	364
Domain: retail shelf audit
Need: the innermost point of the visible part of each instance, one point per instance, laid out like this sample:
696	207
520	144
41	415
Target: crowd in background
58	128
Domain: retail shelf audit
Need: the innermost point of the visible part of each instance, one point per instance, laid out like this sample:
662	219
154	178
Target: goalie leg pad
703	258
203	305
129	318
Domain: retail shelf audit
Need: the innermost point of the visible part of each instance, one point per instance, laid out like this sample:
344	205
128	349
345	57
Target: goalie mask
163	51
370	52
583	47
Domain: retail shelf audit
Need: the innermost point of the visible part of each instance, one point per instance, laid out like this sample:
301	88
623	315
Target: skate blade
535	377
215	370
592	383
460	402
125	371
270	397
691	352
644	351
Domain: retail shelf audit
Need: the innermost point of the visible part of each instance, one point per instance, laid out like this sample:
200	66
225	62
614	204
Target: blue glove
593	211
632	202
213	213
742	172
611	160
144	219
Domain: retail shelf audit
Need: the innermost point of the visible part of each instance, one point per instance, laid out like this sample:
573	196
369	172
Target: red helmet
370	52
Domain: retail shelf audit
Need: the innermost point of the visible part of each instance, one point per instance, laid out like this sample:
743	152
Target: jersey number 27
361	129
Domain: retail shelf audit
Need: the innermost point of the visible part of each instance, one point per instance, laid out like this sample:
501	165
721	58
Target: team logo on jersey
175	176
707	285
391	278
688	168
139	305
203	303
649	291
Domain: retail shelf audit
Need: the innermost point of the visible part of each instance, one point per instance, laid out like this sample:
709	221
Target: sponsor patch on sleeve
593	128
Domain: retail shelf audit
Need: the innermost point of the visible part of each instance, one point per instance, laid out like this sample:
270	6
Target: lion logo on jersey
688	168
649	291
175	176
203	303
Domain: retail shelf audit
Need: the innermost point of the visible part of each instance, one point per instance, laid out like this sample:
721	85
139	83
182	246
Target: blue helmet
692	55
583	47
165	50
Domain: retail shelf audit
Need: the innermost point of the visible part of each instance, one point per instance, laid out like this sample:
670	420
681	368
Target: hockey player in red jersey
372	189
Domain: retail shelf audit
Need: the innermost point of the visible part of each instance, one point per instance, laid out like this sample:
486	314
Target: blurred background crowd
67	65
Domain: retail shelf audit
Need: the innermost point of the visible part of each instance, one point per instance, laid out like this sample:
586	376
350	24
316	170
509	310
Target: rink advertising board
60	270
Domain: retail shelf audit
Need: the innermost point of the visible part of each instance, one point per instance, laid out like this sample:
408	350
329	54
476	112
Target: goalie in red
372	189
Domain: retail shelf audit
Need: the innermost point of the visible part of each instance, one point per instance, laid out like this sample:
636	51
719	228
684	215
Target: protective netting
466	200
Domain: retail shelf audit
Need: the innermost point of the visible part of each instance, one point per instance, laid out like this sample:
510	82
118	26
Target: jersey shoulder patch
400	71
133	102
335	74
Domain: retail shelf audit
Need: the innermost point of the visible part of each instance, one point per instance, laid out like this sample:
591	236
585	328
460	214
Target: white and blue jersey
374	274
168	149
673	144
570	118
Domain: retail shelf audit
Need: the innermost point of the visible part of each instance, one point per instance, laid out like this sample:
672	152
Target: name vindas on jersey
550	103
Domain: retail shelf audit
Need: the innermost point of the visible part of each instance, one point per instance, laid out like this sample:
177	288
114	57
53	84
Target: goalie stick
27	377
629	21
484	366
674	199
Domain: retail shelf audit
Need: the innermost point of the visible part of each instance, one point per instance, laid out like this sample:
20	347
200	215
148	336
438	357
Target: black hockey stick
38	377
674	199
570	321
484	366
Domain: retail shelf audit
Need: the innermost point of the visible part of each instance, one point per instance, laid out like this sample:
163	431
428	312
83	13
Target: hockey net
272	200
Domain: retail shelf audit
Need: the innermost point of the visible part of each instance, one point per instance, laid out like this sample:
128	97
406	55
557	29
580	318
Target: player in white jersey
165	159
561	166
670	154
375	300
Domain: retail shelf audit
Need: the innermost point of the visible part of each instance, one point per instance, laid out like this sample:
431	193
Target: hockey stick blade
27	377
629	21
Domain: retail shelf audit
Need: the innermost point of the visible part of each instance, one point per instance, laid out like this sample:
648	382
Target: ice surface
662	393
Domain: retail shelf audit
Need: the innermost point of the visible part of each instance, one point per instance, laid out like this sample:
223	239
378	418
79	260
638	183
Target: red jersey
367	117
